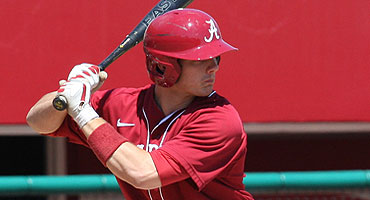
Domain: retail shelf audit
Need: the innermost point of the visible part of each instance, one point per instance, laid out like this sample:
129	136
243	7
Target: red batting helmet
188	34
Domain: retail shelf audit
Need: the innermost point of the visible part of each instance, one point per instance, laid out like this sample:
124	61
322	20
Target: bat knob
60	103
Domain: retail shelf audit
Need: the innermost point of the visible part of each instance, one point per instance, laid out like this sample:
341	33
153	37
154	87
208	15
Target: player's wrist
83	116
104	140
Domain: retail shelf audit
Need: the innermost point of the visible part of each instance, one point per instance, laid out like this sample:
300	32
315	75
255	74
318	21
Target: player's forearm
43	117
128	162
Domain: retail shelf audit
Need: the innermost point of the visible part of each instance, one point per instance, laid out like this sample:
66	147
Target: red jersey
199	151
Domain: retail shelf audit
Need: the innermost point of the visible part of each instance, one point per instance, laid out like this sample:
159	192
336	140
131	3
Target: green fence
79	184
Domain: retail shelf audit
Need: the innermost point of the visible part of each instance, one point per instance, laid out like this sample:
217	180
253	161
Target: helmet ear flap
160	69
154	67
163	71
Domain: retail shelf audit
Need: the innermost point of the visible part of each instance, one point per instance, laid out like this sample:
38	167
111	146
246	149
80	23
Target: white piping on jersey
150	195
147	137
160	192
163	120
147	123
211	93
165	132
163	137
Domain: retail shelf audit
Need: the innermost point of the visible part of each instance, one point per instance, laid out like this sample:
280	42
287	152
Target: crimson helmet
188	34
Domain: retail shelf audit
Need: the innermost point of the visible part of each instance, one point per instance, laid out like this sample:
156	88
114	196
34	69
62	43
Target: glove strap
85	115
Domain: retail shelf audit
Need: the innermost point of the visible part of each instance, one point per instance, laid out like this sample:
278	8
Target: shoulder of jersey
213	101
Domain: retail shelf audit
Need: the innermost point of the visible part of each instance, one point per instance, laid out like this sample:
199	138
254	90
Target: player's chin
205	91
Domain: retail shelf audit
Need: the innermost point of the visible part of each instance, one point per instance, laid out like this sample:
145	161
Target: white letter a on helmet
212	31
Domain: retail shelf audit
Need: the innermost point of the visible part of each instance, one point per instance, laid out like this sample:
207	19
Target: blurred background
300	81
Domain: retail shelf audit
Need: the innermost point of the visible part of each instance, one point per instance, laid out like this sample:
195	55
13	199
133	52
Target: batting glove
85	72
77	94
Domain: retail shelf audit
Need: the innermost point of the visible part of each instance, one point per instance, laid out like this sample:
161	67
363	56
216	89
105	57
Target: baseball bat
132	39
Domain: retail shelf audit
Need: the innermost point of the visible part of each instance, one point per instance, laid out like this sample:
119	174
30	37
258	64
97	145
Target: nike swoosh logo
122	124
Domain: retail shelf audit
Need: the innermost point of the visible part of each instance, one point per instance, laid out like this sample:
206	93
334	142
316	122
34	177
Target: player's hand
102	77
77	94
89	73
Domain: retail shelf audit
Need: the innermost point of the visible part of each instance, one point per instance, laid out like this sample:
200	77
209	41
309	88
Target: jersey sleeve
168	168
70	130
209	145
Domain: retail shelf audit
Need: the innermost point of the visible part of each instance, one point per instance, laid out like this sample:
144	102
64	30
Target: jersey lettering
151	148
212	31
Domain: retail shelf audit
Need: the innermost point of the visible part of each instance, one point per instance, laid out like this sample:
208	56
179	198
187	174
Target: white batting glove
77	94
85	72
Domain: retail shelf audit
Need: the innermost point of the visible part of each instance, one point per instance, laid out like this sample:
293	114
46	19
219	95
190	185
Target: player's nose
212	66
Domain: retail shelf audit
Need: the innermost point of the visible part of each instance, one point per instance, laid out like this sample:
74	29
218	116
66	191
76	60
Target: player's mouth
209	81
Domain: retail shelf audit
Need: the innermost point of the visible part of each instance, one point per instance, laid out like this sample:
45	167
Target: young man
175	139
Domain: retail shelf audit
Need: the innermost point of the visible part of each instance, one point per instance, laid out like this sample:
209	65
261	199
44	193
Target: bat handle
60	103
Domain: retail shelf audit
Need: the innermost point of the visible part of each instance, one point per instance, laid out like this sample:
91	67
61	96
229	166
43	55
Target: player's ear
160	69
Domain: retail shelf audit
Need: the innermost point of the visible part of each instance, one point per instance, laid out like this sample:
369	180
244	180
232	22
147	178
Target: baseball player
174	139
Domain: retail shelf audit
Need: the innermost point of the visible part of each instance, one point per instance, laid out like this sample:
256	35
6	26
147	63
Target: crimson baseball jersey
199	151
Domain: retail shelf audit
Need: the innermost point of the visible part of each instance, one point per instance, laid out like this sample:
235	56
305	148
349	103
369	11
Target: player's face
197	77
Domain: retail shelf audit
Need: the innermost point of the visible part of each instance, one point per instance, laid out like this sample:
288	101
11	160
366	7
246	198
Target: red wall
298	60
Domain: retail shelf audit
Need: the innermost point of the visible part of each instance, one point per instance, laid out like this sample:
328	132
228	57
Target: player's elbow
31	121
139	178
144	182
37	125
139	183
